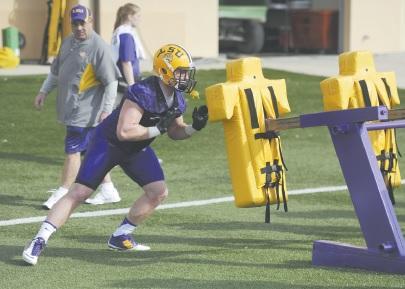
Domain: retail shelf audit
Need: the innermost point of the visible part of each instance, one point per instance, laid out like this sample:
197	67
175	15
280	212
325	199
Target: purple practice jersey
136	158
149	96
127	53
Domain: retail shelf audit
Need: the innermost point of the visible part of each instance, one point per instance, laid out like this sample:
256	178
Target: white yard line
29	220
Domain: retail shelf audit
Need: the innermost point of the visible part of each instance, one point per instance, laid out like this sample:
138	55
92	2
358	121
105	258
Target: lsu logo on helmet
174	65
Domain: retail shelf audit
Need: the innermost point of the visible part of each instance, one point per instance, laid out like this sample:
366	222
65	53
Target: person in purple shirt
126	45
127	50
149	109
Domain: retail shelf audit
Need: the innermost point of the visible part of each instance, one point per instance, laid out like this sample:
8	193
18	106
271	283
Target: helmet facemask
183	79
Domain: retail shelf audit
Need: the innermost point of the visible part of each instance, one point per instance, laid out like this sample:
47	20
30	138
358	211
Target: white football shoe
105	196
56	196
33	249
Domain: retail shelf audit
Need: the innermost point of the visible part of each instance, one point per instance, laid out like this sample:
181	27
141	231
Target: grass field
212	246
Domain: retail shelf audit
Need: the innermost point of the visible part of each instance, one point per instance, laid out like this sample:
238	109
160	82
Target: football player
150	108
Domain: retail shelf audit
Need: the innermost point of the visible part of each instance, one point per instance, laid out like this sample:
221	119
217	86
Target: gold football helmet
173	64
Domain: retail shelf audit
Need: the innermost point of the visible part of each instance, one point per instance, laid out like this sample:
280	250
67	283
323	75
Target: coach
86	77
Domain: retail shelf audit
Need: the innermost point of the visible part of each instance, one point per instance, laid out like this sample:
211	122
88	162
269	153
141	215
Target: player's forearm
49	83
181	132
134	133
128	72
110	94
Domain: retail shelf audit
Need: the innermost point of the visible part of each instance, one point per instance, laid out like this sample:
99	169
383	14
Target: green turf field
212	246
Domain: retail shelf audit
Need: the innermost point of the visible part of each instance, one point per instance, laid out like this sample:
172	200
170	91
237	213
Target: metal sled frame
385	251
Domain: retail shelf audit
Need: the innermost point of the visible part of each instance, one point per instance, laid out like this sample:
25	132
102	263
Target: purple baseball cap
80	13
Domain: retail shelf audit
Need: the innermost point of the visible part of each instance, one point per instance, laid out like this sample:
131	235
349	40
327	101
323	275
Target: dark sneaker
125	243
33	250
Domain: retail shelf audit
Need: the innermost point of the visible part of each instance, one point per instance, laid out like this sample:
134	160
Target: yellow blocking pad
360	85
8	59
243	103
54	34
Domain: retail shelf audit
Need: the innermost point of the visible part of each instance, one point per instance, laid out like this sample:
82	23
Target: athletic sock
63	190
46	230
107	186
125	228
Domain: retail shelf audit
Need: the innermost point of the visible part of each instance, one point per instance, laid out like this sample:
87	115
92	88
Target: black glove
166	120
122	86
200	117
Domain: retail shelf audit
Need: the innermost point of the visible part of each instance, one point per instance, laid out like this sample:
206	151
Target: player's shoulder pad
143	93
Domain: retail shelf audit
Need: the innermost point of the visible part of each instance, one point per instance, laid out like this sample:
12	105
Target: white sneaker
105	196
33	250
56	195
